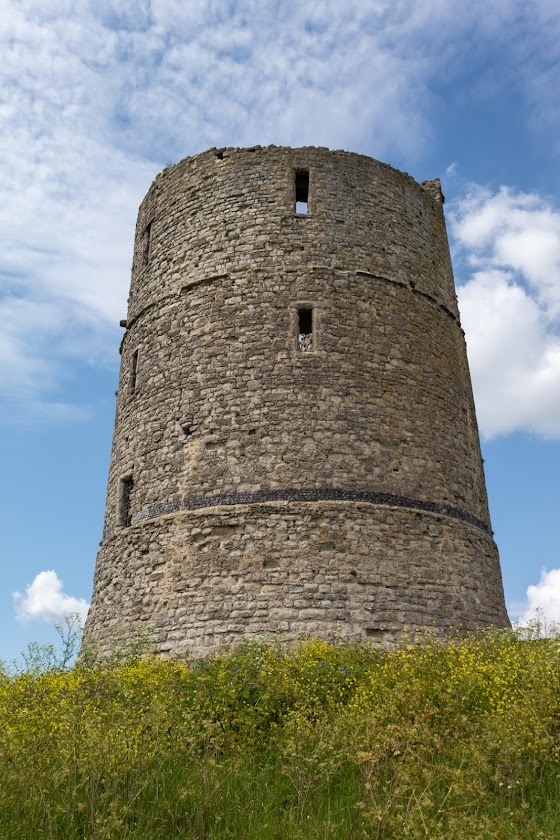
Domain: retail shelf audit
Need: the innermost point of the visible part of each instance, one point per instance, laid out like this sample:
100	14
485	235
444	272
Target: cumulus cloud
45	599
516	230
510	308
543	600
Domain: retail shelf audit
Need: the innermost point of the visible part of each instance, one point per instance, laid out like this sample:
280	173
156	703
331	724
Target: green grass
438	740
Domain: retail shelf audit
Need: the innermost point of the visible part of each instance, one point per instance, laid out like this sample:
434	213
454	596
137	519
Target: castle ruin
295	449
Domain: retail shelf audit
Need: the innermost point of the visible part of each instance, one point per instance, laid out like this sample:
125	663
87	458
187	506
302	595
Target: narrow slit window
125	493
302	191
133	373
305	330
146	244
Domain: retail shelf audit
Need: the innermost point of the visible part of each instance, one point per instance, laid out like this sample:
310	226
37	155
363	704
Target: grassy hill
437	740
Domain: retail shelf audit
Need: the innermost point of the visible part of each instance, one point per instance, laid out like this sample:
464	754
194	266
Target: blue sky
97	97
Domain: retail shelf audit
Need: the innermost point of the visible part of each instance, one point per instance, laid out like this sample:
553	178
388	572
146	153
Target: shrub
448	739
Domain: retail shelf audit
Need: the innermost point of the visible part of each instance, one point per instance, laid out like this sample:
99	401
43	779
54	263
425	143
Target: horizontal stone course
309	495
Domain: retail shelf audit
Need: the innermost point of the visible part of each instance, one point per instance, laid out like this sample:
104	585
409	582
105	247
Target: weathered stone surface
269	480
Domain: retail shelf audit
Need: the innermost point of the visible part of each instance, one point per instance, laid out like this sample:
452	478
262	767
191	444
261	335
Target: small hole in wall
133	373
147	244
270	563
187	431
220	154
302	191
252	431
375	633
124	516
305	329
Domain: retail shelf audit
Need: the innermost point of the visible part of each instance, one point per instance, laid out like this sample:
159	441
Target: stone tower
295	447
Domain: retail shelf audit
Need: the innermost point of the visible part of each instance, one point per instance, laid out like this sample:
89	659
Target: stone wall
261	483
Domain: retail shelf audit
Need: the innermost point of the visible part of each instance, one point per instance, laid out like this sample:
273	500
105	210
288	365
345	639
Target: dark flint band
325	494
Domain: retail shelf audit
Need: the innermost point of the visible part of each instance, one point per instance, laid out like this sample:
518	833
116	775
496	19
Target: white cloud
45	599
543	600
518	231
510	308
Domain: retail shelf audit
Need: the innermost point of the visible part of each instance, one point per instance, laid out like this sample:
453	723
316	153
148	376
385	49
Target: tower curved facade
295	448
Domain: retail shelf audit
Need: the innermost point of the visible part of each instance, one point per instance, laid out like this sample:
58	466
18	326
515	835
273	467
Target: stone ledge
325	494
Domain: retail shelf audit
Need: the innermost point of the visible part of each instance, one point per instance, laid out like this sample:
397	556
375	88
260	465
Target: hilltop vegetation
438	740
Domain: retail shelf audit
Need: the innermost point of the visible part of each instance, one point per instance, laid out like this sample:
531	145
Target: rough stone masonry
295	448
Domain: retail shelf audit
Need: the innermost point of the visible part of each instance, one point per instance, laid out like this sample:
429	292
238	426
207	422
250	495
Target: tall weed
440	739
